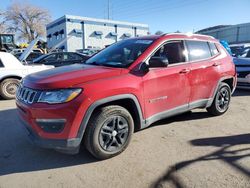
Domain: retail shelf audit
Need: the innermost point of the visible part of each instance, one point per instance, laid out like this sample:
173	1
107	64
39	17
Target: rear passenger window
74	57
174	51
213	48
1	64
198	50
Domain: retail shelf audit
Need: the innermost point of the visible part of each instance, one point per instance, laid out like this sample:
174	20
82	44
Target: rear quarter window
213	48
198	50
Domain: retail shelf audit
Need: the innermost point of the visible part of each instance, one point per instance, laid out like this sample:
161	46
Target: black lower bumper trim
65	145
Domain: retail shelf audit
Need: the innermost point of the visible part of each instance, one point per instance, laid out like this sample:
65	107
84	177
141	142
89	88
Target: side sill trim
178	110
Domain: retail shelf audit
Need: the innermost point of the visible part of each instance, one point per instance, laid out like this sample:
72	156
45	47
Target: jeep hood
68	76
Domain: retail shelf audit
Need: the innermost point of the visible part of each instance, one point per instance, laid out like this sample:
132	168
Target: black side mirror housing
155	62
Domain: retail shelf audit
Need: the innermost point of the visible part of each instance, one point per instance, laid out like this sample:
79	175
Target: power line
139	5
160	8
149	8
108	9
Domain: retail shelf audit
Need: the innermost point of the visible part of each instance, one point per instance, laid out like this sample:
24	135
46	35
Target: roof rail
188	34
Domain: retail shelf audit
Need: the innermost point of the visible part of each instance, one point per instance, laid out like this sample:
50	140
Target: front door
167	89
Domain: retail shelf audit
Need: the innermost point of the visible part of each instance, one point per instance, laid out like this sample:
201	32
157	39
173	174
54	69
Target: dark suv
129	85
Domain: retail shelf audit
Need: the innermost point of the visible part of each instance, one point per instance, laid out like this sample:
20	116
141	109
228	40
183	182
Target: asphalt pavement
189	150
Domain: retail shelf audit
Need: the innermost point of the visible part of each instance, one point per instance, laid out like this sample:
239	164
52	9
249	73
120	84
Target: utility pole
108	10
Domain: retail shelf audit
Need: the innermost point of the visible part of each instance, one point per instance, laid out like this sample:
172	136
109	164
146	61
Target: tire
104	137
221	100
8	88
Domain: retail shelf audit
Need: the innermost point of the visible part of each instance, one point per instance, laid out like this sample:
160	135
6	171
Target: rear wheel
8	88
109	132
221	101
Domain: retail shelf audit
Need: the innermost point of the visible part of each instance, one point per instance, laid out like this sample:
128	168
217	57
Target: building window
113	34
56	35
49	36
127	35
61	32
98	34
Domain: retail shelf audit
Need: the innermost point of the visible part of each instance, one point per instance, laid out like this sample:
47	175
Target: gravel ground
189	150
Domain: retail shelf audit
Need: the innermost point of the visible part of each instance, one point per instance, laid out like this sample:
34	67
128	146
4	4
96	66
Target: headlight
248	76
59	96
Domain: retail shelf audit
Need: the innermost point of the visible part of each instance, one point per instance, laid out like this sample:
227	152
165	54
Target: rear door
204	69
166	88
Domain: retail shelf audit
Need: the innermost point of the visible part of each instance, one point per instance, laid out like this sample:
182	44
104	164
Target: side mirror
155	62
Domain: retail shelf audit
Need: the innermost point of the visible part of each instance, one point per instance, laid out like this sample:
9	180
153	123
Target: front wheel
221	101
109	131
8	88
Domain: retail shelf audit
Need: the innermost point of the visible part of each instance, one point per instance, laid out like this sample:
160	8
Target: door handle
184	71
216	64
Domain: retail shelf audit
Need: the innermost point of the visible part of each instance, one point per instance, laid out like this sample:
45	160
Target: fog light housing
51	125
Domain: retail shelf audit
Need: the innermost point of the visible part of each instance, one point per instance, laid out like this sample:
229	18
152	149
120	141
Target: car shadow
225	153
17	154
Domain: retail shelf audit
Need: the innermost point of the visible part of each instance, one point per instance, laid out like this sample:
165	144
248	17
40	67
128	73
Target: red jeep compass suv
127	86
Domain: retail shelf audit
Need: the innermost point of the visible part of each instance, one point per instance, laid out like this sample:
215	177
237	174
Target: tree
159	32
26	20
2	22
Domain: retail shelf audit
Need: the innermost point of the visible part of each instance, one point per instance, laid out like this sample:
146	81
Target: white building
233	34
83	32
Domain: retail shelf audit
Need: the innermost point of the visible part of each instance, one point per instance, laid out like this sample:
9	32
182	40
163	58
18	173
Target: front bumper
70	146
54	126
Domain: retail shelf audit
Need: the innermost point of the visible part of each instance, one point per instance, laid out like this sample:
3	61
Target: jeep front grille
26	95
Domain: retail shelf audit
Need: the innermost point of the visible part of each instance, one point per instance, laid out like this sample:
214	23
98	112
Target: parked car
58	59
239	50
11	72
242	67
89	51
243	72
21	50
30	58
128	85
246	53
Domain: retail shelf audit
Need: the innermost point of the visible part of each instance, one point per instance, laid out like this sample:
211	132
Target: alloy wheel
223	98
114	133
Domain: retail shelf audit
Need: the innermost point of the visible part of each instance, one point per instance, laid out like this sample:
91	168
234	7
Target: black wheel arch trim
100	102
9	77
217	87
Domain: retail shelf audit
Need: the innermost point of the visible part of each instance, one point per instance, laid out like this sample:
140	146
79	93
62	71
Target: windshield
120	54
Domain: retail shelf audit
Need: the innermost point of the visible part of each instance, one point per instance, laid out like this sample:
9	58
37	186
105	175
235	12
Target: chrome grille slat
26	95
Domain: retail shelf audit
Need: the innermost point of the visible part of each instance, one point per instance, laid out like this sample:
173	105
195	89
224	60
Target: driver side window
174	51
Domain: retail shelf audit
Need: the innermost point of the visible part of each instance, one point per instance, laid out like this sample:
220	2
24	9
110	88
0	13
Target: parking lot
189	150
